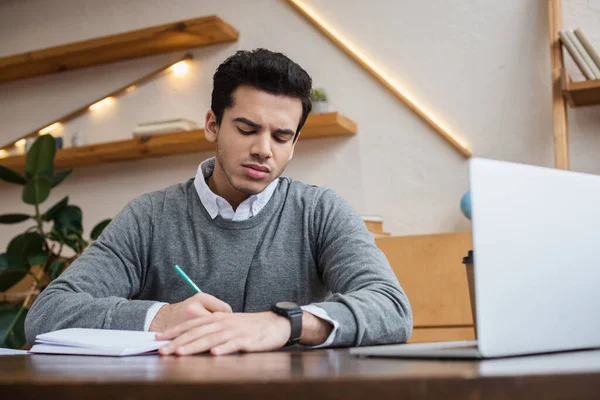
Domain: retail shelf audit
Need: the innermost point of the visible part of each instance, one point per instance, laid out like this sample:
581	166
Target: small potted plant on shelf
38	254
319	100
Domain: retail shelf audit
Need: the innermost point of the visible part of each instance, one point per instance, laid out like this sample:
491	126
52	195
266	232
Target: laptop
536	251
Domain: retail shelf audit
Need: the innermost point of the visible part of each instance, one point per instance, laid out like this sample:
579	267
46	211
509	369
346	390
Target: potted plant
39	252
319	100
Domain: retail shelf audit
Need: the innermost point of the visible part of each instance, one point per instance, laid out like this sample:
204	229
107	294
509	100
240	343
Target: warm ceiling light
50	128
180	68
102	103
21	143
3	153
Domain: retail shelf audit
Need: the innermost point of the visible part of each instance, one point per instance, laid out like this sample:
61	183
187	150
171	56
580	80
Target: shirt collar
216	205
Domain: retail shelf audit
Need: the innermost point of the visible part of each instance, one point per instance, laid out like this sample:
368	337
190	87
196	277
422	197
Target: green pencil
187	279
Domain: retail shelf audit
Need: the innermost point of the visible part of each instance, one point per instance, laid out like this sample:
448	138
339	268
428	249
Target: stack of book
582	52
160	127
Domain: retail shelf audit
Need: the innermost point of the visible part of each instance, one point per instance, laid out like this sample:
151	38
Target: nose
261	146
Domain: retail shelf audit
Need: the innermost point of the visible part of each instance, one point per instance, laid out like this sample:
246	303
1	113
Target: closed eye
243	132
278	139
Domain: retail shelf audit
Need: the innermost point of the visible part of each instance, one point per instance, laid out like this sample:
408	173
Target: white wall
481	66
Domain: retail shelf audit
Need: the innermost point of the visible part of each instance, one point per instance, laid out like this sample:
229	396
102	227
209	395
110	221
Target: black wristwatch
293	312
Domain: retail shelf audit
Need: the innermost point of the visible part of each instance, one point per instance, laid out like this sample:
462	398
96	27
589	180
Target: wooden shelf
578	94
317	126
144	42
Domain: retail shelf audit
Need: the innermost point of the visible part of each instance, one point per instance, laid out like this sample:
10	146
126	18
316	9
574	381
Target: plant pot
320	107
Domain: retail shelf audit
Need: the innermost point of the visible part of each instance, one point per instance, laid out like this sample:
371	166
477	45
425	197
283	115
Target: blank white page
101	339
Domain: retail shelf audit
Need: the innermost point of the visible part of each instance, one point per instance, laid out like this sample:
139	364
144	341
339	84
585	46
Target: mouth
256	171
256	167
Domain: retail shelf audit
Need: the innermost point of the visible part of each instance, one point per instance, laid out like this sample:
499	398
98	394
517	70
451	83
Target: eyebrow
258	126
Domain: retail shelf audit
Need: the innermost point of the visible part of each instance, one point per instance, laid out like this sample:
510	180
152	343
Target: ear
211	129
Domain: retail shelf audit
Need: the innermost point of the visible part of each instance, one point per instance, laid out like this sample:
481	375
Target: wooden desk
310	375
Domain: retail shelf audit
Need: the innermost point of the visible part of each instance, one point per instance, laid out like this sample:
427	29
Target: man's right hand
199	305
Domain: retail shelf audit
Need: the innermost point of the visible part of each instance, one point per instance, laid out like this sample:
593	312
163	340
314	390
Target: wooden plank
430	270
115	93
327	124
559	108
585	93
123	46
374	226
381	77
442	334
317	126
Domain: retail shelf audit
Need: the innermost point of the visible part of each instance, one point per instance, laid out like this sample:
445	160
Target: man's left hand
225	333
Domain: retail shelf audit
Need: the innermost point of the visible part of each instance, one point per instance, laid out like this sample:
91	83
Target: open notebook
97	342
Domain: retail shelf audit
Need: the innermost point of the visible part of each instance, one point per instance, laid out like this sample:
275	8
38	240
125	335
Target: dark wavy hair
264	70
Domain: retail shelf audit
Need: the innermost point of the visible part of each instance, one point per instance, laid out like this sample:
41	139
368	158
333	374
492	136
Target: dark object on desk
468	262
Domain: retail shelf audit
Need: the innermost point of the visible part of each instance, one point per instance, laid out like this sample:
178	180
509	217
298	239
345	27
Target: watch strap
296	324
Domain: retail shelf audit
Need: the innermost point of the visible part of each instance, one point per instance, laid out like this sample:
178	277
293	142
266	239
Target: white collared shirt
215	205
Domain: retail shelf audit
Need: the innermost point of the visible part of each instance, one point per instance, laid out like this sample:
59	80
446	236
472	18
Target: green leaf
12	326
8	175
40	158
97	230
56	268
60	176
25	244
11	271
68	220
55	235
13	218
37	258
75	242
51	213
36	191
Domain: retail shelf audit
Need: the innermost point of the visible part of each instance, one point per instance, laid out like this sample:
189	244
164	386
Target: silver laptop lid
536	240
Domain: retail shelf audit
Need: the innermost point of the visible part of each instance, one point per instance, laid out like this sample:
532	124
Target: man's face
255	140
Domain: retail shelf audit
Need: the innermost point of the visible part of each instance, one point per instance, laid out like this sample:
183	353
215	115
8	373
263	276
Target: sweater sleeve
94	291
367	300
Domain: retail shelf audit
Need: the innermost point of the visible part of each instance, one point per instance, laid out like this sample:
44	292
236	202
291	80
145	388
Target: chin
251	188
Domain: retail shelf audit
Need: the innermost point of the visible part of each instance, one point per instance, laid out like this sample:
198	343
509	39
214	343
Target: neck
219	184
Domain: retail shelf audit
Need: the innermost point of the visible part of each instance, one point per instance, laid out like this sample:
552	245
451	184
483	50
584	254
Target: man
247	237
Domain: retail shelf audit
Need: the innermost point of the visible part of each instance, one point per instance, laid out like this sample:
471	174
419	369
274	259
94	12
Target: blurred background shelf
578	94
165	38
317	126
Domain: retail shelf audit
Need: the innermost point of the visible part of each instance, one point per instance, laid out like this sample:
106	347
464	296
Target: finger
206	343
177	330
211	303
232	346
190	336
196	310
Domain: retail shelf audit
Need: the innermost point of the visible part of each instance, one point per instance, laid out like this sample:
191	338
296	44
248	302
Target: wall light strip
108	98
49	128
102	103
353	52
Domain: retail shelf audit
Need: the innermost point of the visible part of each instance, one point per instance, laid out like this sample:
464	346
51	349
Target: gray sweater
307	245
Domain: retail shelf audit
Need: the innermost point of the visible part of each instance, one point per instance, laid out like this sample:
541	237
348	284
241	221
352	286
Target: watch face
286	305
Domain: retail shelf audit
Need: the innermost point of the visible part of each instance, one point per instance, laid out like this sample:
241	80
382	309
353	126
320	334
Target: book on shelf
577	57
166	126
588	46
584	55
